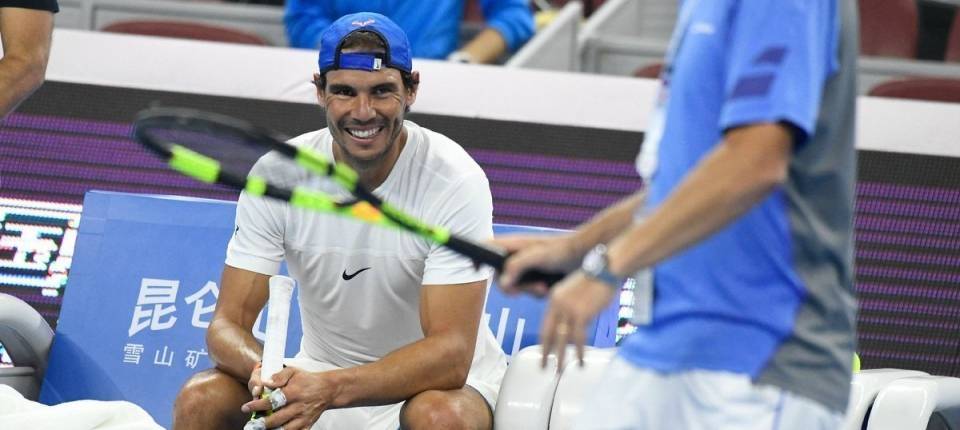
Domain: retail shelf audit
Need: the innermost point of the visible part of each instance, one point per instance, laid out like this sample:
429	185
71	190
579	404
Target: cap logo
362	24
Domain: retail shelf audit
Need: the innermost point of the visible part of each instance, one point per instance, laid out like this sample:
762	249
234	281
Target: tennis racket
219	149
275	342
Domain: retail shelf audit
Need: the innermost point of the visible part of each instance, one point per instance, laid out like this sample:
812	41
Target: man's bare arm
607	224
486	47
230	339
26	37
562	253
450	315
750	163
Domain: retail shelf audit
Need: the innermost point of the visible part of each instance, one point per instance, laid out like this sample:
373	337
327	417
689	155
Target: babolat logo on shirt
347	277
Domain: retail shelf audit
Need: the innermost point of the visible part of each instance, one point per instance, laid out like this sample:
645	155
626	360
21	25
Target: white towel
17	412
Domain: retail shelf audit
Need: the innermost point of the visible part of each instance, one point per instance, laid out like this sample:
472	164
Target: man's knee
445	410
202	388
207	395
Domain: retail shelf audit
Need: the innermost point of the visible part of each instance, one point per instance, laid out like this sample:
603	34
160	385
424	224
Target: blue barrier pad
142	290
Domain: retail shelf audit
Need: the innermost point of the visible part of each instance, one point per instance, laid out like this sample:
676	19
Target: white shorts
485	377
631	397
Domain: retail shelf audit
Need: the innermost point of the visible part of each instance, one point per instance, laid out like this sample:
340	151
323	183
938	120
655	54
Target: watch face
593	262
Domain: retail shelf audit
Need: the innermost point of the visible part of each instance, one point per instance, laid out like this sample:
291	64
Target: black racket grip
495	258
535	275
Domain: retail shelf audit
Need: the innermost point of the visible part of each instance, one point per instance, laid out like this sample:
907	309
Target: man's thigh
465	408
430	409
469	404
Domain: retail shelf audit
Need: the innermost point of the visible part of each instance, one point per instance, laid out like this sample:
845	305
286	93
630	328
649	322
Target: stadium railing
555	46
624	35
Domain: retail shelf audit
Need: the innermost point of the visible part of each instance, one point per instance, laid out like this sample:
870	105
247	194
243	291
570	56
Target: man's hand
255	385
547	253
573	304
486	48
308	395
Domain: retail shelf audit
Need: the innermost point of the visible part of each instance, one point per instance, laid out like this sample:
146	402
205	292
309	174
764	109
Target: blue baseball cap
397	54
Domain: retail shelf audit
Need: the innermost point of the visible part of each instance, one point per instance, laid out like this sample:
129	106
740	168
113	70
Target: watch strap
602	273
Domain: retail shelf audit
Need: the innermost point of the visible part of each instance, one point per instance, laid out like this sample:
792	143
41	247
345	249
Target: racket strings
234	152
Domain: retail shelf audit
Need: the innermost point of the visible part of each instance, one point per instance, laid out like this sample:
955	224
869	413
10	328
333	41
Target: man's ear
321	92
412	91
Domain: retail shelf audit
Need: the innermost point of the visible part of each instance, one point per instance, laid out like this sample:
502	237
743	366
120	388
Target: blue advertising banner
143	287
142	290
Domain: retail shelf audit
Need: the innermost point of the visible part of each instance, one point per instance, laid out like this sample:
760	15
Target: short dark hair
370	42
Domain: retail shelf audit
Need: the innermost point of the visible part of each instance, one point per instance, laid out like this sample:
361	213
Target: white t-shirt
360	284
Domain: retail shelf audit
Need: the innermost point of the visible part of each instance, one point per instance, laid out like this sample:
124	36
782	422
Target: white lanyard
647	160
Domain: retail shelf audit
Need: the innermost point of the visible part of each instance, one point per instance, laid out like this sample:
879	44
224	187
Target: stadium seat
953	42
908	403
864	388
576	384
651	71
888	28
27	338
185	30
532	397
930	89
527	392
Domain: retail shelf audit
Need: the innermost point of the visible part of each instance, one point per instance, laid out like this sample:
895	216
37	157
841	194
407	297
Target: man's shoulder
311	139
275	168
441	155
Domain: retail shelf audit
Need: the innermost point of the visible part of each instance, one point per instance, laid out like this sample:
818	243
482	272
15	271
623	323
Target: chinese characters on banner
156	310
36	248
36	244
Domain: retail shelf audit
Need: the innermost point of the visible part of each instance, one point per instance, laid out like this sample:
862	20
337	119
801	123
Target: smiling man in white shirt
391	333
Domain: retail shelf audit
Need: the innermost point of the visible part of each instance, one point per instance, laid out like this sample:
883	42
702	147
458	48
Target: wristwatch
596	265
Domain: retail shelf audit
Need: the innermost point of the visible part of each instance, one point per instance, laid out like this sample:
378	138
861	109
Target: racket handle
535	275
258	418
496	259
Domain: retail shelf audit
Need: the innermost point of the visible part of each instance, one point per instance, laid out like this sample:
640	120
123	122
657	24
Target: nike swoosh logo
347	277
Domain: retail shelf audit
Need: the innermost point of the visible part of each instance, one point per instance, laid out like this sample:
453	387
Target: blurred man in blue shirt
432	26
746	223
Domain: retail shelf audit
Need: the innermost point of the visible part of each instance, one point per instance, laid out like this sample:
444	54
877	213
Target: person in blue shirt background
432	26
746	223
